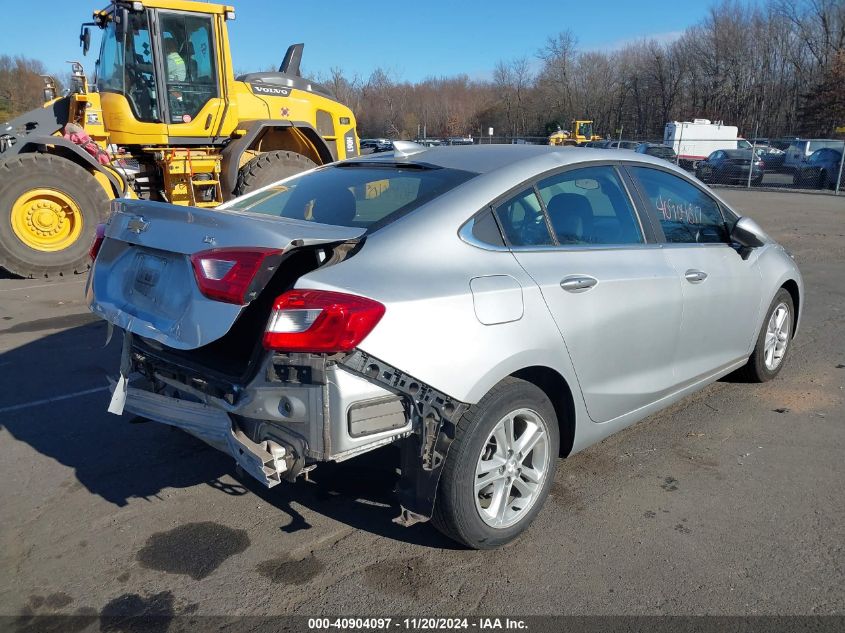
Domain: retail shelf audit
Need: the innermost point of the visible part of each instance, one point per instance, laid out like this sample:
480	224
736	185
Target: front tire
773	341
500	466
49	211
270	167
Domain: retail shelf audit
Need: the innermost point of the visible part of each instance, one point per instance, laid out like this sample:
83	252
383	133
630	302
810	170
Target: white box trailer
696	140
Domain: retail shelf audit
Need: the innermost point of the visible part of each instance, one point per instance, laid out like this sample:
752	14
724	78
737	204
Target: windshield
358	194
585	129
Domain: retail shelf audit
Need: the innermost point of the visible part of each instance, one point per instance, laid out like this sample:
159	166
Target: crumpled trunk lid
142	280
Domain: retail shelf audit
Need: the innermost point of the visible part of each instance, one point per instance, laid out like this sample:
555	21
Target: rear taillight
99	237
320	321
234	275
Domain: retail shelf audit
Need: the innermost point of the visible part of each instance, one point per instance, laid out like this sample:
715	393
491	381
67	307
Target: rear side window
590	206
523	221
354	194
685	213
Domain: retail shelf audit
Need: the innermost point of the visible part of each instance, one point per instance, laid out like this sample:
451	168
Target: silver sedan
488	309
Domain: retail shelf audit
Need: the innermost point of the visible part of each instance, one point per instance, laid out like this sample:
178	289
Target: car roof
484	159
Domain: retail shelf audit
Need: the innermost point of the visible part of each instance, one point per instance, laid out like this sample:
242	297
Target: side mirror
85	40
747	233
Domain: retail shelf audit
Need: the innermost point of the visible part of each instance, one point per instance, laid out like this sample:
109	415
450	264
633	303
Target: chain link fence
783	163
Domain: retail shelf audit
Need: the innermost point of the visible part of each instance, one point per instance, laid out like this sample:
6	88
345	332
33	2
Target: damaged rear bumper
267	461
299	411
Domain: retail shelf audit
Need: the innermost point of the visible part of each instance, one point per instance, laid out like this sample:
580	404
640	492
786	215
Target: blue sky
410	40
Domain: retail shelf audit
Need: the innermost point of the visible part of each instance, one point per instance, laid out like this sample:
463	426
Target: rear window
368	195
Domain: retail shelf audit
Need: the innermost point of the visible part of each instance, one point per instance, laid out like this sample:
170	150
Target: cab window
685	213
190	76
590	206
126	66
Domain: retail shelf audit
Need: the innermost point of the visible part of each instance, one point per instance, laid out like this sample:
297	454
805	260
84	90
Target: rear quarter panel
421	271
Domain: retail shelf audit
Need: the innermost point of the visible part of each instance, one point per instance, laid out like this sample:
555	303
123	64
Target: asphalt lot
731	502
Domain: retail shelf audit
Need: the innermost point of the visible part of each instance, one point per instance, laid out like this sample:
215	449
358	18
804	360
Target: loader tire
49	211
270	167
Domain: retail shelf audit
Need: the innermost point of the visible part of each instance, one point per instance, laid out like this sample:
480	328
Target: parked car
657	150
487	308
620	145
771	156
375	145
820	170
458	140
428	142
727	166
799	151
596	144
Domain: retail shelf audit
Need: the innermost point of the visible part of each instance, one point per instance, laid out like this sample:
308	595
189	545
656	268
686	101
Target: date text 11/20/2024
417	624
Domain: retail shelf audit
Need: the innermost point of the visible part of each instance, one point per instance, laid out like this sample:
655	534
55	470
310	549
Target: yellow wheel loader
582	131
164	118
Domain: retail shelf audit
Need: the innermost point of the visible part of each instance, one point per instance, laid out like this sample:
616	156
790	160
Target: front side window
126	66
685	213
590	206
523	221
353	194
190	77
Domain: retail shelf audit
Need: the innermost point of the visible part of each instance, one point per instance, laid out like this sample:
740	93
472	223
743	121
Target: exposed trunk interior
235	357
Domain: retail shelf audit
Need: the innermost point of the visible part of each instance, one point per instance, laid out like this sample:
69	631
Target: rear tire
49	211
466	509
270	167
773	341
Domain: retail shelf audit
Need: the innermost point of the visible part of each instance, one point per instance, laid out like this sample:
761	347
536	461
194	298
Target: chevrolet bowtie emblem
137	224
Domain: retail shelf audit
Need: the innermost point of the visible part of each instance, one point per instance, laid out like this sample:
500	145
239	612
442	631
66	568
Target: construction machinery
165	119
582	131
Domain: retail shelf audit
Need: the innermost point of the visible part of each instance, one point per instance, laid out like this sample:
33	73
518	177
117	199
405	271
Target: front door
191	78
722	291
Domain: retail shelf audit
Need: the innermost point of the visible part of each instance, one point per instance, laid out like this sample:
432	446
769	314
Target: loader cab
583	129
160	71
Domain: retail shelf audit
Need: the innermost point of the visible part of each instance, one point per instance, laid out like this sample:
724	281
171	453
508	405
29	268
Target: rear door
721	290
613	295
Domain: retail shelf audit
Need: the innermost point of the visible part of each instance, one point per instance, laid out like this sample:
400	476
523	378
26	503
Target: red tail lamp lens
320	321
99	238
234	275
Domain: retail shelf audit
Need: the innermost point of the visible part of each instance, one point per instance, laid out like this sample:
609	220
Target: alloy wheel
512	468
777	337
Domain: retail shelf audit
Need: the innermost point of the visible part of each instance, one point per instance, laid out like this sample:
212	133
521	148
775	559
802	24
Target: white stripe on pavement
67	396
53	285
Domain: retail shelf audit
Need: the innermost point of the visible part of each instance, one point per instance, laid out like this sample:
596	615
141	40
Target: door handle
695	276
578	283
